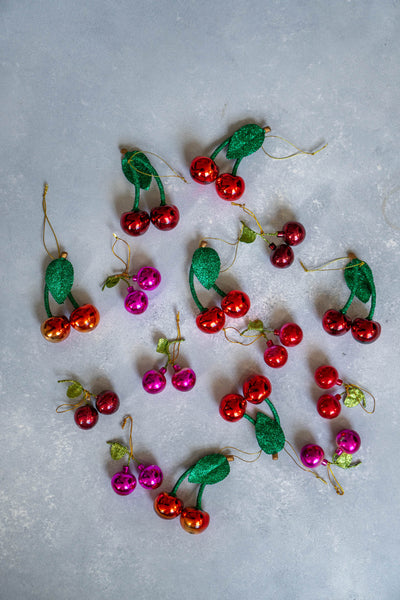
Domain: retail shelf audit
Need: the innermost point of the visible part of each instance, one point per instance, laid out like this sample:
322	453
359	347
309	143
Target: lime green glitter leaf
59	279
248	235
206	265
163	346
210	469
343	460
354	396
269	434
257	325
74	390
361	277
117	450
111	281
245	141
137	169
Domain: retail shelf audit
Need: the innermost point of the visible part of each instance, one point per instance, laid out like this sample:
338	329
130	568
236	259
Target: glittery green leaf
163	346
206	265
354	396
248	235
343	460
269	434
255	325
59	278
361	277
74	390
245	141
111	281
117	450
137	169
210	469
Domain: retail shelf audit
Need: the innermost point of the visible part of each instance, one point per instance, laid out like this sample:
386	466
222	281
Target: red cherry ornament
168	506
85	318
135	222
335	322
293	233
365	331
235	304
329	406
107	403
203	170
229	187
86	416
326	377
194	520
232	407
282	256
165	217
256	388
275	356
290	334
211	320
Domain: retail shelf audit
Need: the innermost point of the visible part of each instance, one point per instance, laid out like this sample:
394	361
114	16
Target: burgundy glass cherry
229	187
135	222
107	403
365	331
203	170
86	416
165	217
282	256
293	233
335	322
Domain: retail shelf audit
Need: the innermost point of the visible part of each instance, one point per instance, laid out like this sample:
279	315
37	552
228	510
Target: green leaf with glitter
117	450
206	265
248	235
210	469
111	281
137	169
163	346
245	141
361	277
255	326
74	390
343	460
354	396
269	434
59	279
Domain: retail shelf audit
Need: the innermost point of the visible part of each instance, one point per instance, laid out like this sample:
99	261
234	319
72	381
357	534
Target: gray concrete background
78	80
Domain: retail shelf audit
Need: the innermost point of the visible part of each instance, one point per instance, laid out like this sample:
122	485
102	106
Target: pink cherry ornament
154	381
312	456
347	440
150	477
183	379
148	278
124	482
136	301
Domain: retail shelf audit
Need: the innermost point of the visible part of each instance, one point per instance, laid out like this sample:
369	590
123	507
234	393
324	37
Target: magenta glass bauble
136	301
348	440
123	483
148	278
183	379
154	381
312	456
150	477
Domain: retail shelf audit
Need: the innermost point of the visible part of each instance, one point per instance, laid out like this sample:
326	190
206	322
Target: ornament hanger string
257	454
236	244
62	408
249	212
321	268
155	175
297	462
338	488
46	219
299	150
254	338
129	418
176	343
124	262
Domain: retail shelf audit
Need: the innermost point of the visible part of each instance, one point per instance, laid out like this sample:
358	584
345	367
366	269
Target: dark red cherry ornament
165	217
290	334
335	322
293	233
86	416
204	170
256	389
135	222
282	256
365	331
107	403
326	377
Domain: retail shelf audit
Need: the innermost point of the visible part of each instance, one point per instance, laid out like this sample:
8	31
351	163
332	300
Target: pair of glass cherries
148	279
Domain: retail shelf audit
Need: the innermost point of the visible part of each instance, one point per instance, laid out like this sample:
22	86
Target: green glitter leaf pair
269	433
354	397
359	278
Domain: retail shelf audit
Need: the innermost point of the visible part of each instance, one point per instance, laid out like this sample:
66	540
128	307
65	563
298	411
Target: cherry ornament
256	388
154	381
232	407
136	301
107	403
123	482
275	356
290	334
86	415
150	477
365	331
335	322
329	406
183	379
135	222
327	377
229	187
203	170
168	506
281	256
293	233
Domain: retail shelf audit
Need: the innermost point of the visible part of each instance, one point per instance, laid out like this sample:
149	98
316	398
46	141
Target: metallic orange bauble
55	329
85	318
194	520
167	506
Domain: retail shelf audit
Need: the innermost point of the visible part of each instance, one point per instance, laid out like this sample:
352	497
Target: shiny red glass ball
293	233
326	377
85	318
167	506
329	406
211	320
275	356
204	170
256	389
194	520
235	304
135	222
335	323
290	334
365	331
107	403
229	187
165	217
282	256
86	416
232	407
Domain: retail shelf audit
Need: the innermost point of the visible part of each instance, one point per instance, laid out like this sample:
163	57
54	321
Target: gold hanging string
369	412
176	174
299	150
129	418
321	268
258	454
254	338
249	212
46	219
176	343
236	244
297	462
62	408
124	262
338	488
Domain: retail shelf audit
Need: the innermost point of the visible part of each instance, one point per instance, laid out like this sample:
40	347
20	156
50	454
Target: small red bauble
229	187
165	217
293	233
256	389
211	320
335	323
289	334
275	356
194	520
167	506
204	170
365	331
86	416
135	222
55	329
107	403
235	304
282	256
85	318
329	406
326	377
232	407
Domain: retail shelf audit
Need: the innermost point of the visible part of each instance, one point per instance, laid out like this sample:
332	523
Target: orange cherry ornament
55	329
